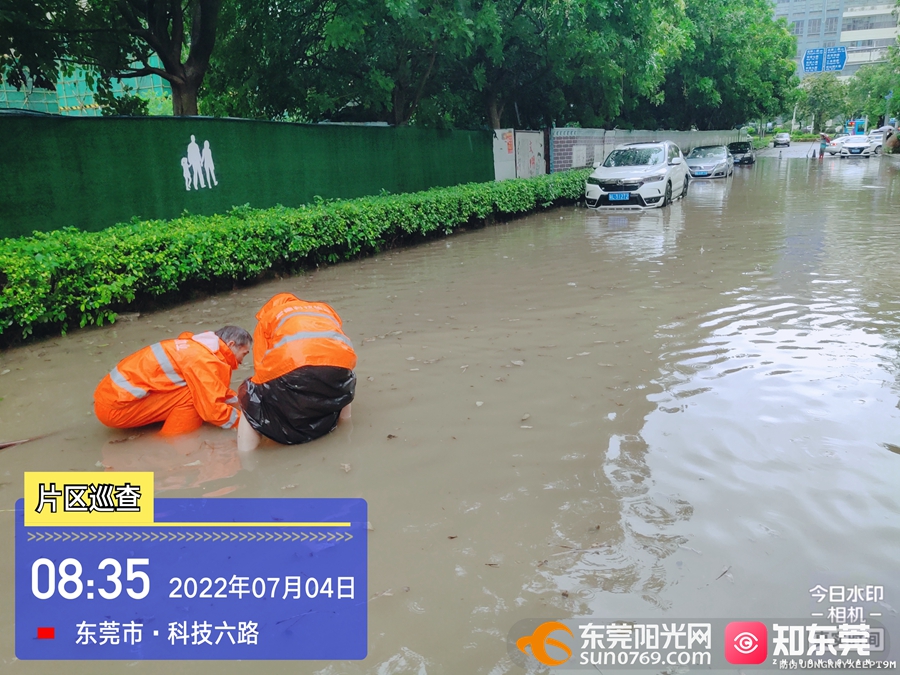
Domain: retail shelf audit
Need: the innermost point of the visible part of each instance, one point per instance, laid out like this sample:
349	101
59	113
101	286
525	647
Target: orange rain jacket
202	363
292	333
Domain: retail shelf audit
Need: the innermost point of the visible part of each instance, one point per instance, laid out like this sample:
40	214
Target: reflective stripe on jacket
292	333
202	363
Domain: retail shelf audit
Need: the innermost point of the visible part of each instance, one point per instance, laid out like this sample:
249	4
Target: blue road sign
835	58
813	60
824	59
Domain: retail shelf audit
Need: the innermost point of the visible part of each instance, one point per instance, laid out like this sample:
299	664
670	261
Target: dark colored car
742	152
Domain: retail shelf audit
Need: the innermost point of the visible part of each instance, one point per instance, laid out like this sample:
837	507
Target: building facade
865	27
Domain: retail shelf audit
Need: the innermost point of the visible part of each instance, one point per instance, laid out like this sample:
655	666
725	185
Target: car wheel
877	149
668	198
684	189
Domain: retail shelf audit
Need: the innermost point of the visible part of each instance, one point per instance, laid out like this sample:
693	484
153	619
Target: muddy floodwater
690	413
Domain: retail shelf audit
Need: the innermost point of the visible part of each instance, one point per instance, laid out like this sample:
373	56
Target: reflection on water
681	413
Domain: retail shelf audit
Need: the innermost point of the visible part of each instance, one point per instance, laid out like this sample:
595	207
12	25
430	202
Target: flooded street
688	414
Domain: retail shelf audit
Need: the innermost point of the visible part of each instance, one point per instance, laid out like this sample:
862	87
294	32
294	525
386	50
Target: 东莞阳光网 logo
540	639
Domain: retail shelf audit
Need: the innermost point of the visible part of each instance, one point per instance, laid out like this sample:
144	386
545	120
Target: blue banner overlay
221	579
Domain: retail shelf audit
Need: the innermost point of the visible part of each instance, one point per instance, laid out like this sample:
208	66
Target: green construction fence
91	173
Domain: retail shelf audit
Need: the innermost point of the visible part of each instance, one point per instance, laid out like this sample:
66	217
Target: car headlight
593	181
654	177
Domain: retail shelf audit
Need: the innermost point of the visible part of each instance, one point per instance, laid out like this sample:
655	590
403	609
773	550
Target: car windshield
635	157
783	135
707	152
739	147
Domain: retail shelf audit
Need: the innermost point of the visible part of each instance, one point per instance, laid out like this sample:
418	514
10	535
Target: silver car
710	161
834	147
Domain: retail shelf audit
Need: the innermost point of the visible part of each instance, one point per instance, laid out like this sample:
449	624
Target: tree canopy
823	96
867	89
439	63
110	39
737	65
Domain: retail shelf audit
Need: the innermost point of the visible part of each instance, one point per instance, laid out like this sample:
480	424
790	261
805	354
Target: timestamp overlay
105	571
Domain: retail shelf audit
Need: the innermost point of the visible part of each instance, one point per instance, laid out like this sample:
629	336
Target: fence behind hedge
91	173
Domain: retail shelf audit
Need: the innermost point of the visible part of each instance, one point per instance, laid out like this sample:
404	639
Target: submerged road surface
689	414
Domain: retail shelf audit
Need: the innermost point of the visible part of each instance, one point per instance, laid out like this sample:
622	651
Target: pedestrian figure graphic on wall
208	165
186	170
196	162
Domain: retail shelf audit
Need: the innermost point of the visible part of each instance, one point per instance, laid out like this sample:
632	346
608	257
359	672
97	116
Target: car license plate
701	173
856	151
619	196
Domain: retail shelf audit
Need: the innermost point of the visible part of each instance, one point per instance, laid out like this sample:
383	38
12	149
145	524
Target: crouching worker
303	380
182	383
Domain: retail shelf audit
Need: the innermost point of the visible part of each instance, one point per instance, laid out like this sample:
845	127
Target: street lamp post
887	107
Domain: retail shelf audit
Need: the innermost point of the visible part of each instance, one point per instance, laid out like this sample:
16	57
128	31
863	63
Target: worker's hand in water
345	413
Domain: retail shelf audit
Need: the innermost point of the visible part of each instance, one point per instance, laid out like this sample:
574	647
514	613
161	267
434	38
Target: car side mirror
675	161
596	165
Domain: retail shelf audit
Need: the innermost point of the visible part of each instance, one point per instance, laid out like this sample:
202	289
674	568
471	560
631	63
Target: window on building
797	27
870	22
828	43
815	27
831	24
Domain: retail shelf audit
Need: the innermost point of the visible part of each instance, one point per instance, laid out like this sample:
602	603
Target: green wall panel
91	173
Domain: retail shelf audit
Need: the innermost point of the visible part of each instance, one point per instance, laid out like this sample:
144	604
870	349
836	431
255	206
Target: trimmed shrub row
53	280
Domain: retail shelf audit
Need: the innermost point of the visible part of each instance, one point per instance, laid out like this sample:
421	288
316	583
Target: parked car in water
742	151
857	146
638	176
876	139
710	161
834	147
782	139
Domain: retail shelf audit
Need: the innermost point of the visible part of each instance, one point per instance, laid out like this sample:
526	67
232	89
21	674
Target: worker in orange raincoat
303	377
181	382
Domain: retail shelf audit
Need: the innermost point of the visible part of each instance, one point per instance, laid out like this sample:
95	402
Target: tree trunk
494	114
184	98
398	101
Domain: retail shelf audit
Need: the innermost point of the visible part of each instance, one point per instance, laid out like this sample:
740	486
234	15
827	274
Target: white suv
638	176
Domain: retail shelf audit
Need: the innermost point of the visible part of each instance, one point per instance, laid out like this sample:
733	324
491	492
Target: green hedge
53	280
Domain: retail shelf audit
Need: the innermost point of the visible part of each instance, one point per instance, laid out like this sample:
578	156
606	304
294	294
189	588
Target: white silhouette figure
196	162
185	169
208	165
